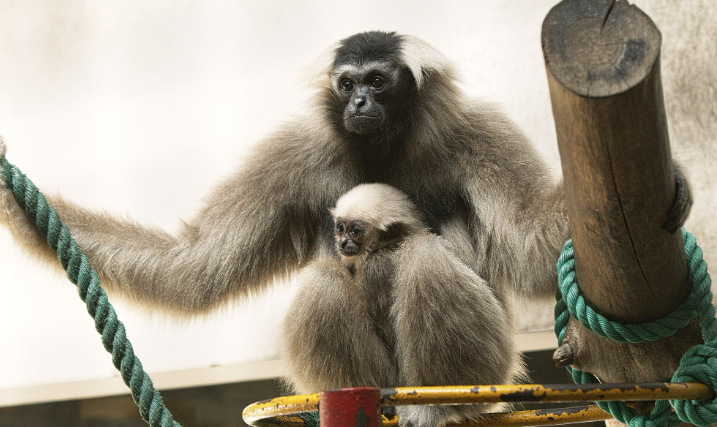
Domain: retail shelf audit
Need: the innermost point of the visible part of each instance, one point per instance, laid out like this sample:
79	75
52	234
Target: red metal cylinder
350	407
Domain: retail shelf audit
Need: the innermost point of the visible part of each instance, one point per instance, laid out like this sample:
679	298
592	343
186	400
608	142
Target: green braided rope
311	419
80	273
634	333
698	364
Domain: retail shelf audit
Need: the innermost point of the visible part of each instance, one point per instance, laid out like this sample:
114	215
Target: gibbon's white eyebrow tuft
423	60
315	74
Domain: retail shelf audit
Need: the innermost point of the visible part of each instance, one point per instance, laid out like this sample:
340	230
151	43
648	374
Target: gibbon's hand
15	219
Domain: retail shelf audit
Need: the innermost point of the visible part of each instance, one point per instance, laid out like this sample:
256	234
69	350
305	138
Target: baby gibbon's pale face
353	237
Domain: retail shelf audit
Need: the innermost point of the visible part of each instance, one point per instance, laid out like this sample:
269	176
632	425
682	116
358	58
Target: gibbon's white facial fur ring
369	202
421	58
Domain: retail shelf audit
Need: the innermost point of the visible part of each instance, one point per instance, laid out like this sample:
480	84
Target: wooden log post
603	65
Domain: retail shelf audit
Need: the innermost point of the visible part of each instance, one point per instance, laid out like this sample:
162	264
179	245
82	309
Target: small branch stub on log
603	64
564	355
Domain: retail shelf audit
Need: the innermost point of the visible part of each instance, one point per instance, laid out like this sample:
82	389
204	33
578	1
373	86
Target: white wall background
139	107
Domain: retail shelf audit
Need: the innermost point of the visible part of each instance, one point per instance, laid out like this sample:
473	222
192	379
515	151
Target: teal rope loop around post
114	338
698	364
634	333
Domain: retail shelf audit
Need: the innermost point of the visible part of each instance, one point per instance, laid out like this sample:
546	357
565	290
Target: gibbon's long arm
517	210
515	221
446	316
328	337
455	315
256	225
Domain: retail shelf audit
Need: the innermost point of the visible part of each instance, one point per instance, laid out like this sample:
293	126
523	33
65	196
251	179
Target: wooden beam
603	64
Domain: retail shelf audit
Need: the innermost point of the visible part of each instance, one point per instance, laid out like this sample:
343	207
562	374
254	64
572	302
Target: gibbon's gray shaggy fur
398	309
388	110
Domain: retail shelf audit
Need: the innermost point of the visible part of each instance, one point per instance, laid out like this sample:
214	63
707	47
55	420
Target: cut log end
599	47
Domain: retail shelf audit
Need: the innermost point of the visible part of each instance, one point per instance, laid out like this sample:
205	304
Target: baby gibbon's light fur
402	312
368	202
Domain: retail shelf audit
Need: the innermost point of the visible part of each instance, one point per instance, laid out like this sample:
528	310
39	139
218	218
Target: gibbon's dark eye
340	228
377	82
355	230
347	85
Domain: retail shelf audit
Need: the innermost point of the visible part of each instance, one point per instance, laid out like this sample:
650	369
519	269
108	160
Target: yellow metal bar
544	393
574	415
287	405
280	421
271	412
580	414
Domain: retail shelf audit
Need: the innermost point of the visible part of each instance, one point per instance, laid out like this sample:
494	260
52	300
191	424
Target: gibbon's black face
351	237
370	85
362	89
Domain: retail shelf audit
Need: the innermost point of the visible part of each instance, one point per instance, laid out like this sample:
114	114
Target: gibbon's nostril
359	101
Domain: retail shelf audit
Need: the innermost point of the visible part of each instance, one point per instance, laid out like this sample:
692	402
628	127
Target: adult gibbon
388	110
397	309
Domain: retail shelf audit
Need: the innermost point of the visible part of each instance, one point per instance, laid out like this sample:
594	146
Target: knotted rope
114	338
698	364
